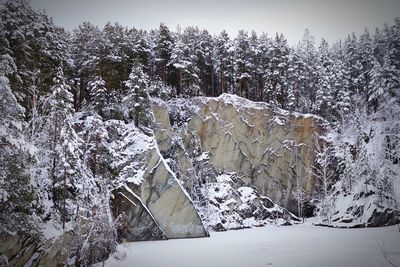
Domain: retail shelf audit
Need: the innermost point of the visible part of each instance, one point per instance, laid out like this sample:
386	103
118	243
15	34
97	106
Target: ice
299	245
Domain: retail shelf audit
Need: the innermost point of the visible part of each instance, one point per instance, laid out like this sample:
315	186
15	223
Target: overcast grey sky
331	19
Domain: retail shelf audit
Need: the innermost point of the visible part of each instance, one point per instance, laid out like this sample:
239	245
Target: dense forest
325	79
53	167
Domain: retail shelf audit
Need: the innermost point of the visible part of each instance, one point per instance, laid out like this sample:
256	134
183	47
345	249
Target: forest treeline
326	79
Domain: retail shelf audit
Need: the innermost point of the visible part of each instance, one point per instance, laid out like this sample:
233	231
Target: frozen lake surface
300	245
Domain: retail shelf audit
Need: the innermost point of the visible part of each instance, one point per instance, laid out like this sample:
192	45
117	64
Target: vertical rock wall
270	149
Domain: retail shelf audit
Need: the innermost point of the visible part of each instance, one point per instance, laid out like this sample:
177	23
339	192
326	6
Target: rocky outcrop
364	206
18	250
168	201
232	205
268	148
153	203
138	222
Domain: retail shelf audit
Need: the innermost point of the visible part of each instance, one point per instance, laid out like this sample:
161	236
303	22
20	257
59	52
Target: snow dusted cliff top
241	102
235	100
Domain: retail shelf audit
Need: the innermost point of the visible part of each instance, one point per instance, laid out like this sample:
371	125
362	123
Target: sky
329	19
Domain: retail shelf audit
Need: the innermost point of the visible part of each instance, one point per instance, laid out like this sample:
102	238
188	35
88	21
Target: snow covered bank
299	245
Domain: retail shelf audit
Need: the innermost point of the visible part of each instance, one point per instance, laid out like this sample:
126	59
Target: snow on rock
137	178
230	206
52	230
253	140
203	156
154	203
361	207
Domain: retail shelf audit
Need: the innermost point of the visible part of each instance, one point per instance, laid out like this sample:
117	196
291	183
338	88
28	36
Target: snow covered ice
298	245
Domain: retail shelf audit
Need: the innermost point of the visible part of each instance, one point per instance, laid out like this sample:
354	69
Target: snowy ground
300	245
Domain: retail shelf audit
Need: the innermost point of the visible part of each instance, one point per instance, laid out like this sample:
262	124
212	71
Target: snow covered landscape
155	146
300	245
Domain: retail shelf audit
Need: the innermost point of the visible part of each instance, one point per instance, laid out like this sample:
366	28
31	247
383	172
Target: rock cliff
268	149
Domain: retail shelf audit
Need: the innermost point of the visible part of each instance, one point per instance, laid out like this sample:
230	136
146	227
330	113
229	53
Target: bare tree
299	191
324	173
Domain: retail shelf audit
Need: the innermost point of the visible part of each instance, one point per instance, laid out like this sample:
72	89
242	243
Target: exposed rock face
267	148
139	223
32	251
152	200
168	201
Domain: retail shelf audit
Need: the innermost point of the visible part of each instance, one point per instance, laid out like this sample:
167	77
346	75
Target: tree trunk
213	81
179	91
223	87
75	95
242	88
81	91
137	110
95	156
163	70
54	158
33	112
64	196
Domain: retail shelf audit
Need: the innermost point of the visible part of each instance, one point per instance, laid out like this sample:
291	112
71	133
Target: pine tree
254	60
55	140
137	47
223	62
163	51
377	85
242	63
395	43
264	50
352	63
115	56
96	151
276	83
323	99
68	171
86	42
180	60
340	88
308	58
138	96
366	62
57	106
294	101
205	65
16	191
384	82
99	94
38	48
